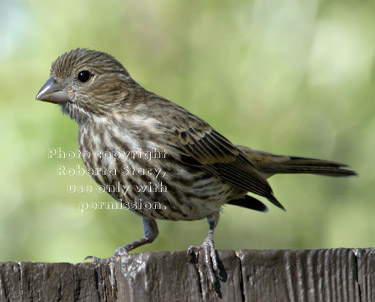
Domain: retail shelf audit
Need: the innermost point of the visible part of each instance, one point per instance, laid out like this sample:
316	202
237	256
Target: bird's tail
269	164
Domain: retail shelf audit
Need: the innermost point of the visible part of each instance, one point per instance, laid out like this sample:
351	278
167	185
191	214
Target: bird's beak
52	91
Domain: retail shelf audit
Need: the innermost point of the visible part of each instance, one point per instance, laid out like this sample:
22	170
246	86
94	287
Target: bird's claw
100	260
119	252
109	261
210	260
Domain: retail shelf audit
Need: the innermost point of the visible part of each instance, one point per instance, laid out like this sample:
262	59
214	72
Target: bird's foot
119	252
210	261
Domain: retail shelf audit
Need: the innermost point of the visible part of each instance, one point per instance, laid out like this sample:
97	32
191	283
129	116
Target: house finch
179	167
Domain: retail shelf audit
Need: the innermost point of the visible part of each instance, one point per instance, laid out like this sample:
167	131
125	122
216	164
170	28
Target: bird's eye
84	76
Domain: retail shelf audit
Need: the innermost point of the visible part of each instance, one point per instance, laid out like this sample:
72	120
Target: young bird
200	171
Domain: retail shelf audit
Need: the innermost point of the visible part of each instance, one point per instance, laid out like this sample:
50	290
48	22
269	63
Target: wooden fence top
248	275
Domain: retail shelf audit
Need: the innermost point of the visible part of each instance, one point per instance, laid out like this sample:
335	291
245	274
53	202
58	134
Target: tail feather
269	164
309	165
249	202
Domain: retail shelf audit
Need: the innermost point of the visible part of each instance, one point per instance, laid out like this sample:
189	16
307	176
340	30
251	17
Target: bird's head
86	83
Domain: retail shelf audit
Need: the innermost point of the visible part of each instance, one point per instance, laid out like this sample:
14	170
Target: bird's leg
208	249
150	232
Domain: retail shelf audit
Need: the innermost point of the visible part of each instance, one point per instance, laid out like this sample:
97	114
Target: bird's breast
146	175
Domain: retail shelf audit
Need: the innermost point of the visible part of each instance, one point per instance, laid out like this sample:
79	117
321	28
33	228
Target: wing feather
197	144
217	155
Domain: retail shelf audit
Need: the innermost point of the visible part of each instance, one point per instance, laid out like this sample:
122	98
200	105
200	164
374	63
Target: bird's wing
200	145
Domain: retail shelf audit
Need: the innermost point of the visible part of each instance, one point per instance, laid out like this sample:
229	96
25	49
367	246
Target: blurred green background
289	77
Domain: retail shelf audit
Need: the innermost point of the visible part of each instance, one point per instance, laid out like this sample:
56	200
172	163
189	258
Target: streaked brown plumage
203	170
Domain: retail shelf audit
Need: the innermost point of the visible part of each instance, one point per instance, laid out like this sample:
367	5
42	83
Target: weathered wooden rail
249	275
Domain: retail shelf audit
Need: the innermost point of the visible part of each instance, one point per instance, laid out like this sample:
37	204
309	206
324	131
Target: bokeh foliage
290	77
